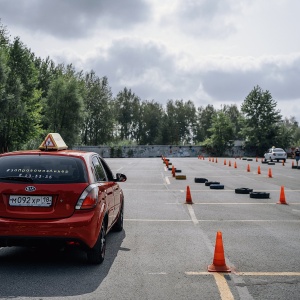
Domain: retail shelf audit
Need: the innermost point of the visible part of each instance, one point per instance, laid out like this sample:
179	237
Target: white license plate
38	201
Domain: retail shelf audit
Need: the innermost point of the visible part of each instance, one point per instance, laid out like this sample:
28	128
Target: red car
60	197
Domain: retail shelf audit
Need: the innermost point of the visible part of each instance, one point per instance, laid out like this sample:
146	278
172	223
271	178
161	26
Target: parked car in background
275	154
59	197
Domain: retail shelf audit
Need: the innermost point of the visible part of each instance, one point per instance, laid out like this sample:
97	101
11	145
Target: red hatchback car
59	197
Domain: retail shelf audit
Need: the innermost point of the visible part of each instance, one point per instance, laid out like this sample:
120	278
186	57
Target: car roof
74	153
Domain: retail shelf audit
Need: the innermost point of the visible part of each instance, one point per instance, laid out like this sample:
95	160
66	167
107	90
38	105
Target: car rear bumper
82	229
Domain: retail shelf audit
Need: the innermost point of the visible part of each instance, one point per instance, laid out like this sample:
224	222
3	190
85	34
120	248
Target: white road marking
205	221
223	287
167	180
192	214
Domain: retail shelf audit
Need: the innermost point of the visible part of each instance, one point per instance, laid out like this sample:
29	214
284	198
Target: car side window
108	171
99	170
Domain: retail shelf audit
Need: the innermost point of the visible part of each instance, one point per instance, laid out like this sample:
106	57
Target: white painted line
247	273
219	203
268	273
192	214
167	180
223	287
206	221
158	220
158	273
119	169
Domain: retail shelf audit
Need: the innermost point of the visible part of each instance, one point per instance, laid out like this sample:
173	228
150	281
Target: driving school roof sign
53	141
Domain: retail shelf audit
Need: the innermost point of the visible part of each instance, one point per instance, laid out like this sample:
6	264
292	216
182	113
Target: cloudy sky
208	51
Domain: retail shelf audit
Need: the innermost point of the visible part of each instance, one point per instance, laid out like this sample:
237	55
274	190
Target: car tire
200	180
118	226
208	183
96	254
271	163
260	195
216	186
243	191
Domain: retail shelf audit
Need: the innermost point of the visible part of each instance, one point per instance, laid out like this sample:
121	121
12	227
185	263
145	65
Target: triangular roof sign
53	141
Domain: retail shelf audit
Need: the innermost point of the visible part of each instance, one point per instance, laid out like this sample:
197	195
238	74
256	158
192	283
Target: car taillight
88	198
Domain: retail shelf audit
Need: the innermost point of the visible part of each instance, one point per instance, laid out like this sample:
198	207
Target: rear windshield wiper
17	178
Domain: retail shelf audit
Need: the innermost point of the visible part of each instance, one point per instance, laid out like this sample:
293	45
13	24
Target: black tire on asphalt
200	180
260	195
243	191
208	183
216	186
96	254
118	226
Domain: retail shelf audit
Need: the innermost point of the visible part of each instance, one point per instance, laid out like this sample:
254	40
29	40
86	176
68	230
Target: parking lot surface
168	243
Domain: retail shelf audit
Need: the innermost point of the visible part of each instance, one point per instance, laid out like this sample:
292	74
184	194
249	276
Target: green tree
98	124
151	119
204	122
63	108
127	108
286	133
222	134
20	105
261	124
235	117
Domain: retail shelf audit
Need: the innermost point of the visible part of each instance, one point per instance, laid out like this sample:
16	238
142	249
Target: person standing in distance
297	155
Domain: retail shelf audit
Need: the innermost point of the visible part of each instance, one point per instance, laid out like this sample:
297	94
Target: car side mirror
120	177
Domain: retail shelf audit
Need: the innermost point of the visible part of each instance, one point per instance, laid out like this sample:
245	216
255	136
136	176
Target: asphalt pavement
169	237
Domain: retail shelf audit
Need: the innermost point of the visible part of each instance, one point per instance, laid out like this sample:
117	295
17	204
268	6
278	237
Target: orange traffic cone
235	166
256	159
224	162
270	173
282	196
258	170
188	196
219	264
173	171
216	159
292	163
213	160
283	162
229	163
248	168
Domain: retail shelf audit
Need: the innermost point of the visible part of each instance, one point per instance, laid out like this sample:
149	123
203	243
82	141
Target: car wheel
119	224
277	160
200	180
96	254
243	191
259	195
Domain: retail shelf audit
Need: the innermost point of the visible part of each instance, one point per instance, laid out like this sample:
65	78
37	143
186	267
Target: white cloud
207	51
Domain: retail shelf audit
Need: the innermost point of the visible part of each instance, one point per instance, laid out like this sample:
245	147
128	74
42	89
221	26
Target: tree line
38	96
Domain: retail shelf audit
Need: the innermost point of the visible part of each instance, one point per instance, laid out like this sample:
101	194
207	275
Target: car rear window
43	168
